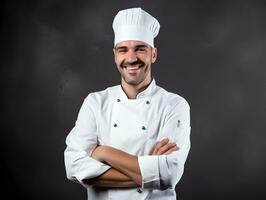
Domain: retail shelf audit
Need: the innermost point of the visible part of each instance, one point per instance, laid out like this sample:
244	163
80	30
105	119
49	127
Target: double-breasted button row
143	127
147	102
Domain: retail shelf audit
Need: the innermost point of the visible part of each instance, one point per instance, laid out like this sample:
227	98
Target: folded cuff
149	171
93	169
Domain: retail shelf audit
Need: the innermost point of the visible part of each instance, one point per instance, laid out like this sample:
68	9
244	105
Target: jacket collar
144	94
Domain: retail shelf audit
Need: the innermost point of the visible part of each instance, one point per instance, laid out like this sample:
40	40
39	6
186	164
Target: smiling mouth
132	68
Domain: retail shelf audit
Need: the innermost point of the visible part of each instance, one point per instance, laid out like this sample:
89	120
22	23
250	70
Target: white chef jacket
134	126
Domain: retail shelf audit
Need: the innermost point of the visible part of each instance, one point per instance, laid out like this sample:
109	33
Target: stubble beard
134	81
137	81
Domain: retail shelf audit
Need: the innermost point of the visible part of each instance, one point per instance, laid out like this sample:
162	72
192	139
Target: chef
130	141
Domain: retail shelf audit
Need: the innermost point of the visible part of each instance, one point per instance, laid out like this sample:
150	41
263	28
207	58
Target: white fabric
135	24
163	114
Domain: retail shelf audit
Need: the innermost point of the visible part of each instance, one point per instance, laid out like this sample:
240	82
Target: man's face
133	60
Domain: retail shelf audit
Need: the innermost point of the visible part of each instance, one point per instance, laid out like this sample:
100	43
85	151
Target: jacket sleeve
164	171
80	142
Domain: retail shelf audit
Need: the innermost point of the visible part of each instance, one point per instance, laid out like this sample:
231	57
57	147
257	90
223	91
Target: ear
153	55
114	54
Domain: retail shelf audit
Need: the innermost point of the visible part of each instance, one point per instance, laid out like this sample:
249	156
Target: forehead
131	44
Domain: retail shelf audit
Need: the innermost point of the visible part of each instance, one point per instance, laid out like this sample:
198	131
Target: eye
141	49
121	50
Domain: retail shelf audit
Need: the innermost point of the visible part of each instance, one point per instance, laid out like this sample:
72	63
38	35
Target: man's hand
164	147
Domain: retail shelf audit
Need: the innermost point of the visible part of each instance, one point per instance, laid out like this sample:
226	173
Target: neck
133	90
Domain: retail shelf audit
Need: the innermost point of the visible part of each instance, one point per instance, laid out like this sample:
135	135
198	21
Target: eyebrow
136	47
141	46
121	47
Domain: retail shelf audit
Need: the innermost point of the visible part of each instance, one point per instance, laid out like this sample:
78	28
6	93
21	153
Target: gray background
53	53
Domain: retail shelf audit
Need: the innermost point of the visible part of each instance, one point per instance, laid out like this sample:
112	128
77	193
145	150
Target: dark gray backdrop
211	52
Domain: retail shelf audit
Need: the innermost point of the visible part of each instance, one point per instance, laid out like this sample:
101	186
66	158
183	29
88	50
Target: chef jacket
134	126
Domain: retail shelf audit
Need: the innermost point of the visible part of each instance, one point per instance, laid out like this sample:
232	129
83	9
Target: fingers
171	150
159	145
164	147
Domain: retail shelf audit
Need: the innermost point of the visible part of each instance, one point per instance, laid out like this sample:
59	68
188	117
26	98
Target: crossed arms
125	171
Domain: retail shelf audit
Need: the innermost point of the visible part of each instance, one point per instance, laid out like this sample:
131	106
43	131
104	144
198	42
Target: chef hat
135	24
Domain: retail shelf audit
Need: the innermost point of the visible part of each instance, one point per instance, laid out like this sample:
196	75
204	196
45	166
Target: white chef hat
135	24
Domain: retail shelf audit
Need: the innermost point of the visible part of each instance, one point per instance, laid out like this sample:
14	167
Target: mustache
137	62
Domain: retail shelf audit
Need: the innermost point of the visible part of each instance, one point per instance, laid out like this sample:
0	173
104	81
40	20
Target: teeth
137	67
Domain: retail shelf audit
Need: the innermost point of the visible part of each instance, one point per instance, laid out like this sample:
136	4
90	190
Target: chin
132	82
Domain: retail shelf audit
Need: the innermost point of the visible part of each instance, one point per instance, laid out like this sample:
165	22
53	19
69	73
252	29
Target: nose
131	56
